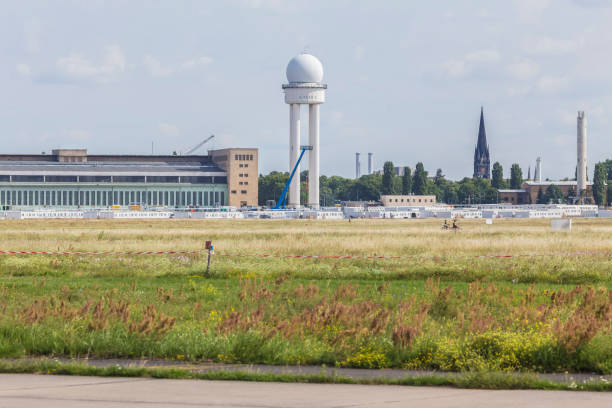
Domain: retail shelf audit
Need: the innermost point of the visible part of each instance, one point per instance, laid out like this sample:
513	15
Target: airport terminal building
71	178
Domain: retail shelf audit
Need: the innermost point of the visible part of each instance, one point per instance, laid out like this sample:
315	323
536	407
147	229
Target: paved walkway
356	373
28	390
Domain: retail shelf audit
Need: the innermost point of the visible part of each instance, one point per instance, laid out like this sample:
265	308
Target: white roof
554	183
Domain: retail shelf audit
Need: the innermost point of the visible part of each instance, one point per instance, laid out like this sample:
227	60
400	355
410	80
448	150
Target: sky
406	79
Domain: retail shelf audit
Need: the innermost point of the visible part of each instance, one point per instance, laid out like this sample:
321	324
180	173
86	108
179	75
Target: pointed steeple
482	163
482	134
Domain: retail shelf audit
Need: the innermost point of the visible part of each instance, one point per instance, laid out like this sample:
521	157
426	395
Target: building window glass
172	193
222	198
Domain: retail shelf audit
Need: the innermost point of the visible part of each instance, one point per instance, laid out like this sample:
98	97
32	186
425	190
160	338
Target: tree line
469	190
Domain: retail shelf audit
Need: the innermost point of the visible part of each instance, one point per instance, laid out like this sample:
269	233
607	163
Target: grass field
440	307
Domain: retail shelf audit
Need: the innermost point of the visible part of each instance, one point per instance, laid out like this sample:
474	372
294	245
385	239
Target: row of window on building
243	157
114	179
108	198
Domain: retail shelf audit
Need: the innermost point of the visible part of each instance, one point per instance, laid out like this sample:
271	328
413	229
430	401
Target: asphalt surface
29	390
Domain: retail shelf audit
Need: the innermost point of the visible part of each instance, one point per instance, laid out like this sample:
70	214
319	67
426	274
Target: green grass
472	380
441	309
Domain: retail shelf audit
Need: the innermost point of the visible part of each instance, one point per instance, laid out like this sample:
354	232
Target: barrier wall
442	212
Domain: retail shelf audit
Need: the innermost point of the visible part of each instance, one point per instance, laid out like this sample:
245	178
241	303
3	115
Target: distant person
455	226
445	225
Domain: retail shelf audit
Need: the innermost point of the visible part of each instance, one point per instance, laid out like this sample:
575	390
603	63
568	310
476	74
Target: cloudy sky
406	78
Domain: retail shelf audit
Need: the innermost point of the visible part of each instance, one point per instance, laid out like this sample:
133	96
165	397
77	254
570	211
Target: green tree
439	177
387	178
419	180
610	192
599	184
540	199
271	186
516	177
609	167
497	179
407	181
366	188
553	195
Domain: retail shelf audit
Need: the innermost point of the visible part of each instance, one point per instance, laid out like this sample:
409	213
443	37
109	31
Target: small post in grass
210	248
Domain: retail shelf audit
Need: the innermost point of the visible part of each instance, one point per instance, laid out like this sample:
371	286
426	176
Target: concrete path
355	373
27	390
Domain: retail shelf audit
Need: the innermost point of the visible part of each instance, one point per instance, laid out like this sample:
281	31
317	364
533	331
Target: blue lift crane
283	197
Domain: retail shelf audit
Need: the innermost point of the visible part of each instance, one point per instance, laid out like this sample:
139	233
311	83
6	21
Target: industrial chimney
581	170
538	171
370	162
357	166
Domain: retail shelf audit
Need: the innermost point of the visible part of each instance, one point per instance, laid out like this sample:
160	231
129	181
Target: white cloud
157	69
168	129
551	84
523	70
76	66
594	3
196	62
266	4
23	70
455	68
520	91
484	56
531	9
463	66
552	46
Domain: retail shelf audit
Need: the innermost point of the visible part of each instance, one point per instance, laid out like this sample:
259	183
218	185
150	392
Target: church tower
482	162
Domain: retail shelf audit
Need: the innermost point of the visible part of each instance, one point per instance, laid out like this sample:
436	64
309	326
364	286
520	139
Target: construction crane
281	201
200	144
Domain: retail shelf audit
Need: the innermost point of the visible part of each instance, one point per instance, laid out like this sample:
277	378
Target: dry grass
389	237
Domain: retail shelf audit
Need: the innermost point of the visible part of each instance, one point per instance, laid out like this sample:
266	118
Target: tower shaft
313	156
294	153
581	169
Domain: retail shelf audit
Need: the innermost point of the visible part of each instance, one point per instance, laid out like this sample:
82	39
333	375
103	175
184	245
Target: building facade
241	166
482	161
407	200
70	178
528	194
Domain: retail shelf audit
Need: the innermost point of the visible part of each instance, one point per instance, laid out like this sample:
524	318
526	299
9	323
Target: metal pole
210	248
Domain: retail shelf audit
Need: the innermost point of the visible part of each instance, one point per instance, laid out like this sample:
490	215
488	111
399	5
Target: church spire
482	134
482	162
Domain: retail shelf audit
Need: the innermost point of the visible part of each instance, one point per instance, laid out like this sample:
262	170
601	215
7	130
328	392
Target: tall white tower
304	74
357	165
581	170
370	162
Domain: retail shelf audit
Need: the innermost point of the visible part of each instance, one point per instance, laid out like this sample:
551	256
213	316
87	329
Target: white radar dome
304	68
